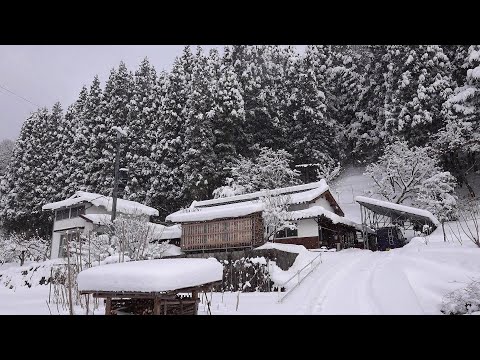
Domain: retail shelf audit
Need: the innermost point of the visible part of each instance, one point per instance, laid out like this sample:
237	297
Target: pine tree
419	84
198	167
144	105
366	132
114	111
30	180
170	196
229	120
6	150
90	139
459	140
69	171
314	136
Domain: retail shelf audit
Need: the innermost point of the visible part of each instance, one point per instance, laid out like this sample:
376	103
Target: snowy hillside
349	184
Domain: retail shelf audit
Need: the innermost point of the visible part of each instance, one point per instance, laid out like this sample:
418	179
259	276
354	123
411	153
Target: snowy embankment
304	257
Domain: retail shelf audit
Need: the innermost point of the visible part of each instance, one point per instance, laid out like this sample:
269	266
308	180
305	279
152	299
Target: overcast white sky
45	74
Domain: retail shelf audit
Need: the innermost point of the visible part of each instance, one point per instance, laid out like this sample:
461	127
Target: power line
21	97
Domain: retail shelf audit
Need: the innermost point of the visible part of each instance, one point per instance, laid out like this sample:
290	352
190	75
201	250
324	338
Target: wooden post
195	304
181	306
108	306
156	306
165	307
69	277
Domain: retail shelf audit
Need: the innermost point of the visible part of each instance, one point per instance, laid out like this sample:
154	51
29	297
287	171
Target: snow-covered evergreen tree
69	171
30	179
6	150
419	83
114	111
170	147
199	158
144	104
228	120
314	136
459	140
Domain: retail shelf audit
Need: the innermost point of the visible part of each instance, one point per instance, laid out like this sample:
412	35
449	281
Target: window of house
76	211
287	232
63	243
62	214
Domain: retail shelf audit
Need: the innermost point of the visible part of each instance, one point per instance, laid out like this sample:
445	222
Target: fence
310	267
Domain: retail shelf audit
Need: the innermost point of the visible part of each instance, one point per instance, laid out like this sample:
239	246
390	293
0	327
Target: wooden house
236	222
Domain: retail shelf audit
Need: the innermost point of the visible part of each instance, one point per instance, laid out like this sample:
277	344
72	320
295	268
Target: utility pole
115	184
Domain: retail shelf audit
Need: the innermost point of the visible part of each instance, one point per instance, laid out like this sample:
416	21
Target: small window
76	211
62	214
287	232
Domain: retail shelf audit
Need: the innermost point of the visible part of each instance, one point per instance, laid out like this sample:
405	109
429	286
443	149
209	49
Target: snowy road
402	281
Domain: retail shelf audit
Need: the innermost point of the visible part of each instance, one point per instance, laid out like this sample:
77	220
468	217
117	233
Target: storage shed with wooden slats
156	287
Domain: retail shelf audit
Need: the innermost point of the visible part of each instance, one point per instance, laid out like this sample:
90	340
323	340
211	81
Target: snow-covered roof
150	275
246	204
216	212
299	194
315	211
123	206
410	212
98	219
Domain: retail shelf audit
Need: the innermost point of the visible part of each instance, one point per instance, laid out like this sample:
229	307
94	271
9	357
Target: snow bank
123	206
150	275
296	249
172	250
33	274
398	207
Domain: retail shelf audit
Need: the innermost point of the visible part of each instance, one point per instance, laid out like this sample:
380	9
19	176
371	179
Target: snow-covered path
411	280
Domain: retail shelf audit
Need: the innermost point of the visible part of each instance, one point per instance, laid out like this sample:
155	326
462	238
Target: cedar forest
330	105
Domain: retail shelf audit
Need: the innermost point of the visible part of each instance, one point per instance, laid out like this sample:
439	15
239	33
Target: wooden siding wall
224	233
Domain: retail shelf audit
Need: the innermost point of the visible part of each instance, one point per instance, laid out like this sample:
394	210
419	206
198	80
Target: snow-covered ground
410	280
350	183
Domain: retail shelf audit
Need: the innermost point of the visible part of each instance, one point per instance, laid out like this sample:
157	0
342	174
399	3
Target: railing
311	266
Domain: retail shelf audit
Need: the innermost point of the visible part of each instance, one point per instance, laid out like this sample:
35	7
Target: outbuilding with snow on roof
85	211
386	218
157	287
236	222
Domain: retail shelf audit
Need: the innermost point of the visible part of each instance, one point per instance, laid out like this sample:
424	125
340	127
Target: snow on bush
413	173
21	247
462	301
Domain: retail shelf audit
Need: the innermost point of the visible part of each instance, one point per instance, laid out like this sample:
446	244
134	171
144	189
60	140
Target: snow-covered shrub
275	215
468	225
413	173
20	247
462	301
246	275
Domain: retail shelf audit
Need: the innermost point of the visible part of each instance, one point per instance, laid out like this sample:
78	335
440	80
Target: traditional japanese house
236	222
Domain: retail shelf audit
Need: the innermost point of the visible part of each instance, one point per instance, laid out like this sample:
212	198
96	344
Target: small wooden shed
152	287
